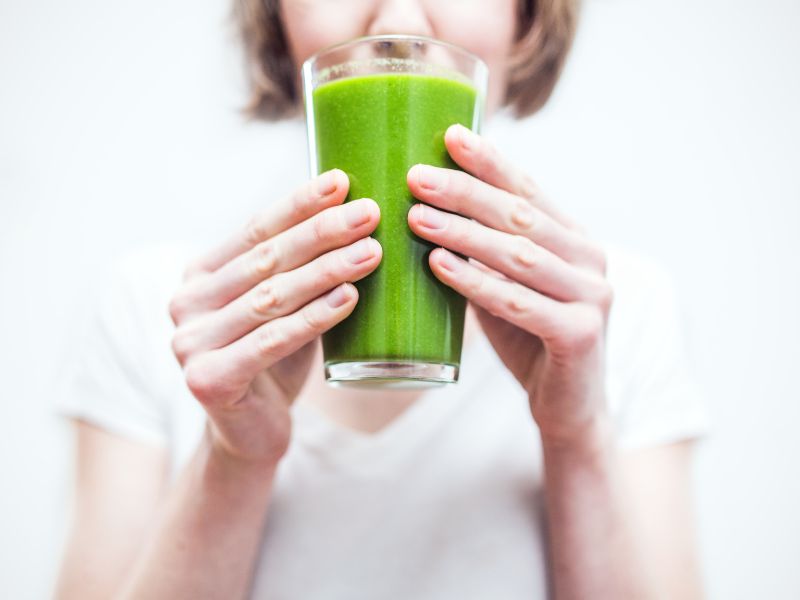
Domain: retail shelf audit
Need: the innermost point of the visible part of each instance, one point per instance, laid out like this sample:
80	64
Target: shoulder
636	276
121	374
652	391
159	266
142	281
133	308
644	294
645	319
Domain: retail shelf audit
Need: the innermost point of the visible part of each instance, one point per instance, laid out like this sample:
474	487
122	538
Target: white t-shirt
443	503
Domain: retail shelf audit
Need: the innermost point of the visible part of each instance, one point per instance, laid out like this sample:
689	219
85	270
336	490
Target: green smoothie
375	127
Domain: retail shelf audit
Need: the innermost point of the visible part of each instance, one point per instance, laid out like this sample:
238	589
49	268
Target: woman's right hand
248	314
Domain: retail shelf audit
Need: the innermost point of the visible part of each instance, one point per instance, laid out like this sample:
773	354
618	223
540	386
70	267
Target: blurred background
675	131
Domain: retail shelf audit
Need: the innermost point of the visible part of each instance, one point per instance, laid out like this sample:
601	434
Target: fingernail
448	261
430	178
361	251
338	297
326	183
355	213
431	218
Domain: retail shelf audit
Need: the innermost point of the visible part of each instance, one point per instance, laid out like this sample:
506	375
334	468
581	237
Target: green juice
374	128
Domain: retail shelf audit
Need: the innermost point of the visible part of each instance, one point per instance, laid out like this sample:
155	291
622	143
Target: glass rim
309	62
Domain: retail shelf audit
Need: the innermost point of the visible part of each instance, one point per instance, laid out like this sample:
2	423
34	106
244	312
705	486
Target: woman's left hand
537	281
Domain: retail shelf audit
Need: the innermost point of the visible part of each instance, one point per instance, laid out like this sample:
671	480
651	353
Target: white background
676	130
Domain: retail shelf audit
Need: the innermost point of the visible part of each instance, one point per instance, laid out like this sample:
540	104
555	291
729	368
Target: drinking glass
376	106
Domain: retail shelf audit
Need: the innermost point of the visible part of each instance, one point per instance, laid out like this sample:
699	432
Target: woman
558	466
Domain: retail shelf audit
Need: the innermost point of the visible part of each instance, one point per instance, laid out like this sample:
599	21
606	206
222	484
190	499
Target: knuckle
585	333
313	321
255	230
460	232
524	252
202	384
320	225
192	270
178	308
464	186
475	284
515	305
301	199
593	254
529	188
181	345
600	258
264	259
270	341
266	299
606	297
494	308
522	216
578	228
492	166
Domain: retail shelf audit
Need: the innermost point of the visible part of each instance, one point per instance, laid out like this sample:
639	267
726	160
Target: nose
399	48
400	16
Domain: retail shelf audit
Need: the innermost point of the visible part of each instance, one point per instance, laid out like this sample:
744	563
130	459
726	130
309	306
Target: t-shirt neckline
339	444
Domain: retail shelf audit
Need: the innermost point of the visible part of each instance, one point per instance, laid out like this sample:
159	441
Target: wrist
223	465
591	438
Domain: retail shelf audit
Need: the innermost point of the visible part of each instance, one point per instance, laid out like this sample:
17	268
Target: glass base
390	374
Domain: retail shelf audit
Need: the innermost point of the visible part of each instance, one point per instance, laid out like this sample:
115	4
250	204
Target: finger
276	297
459	192
476	263
221	377
332	228
565	326
326	190
515	256
476	155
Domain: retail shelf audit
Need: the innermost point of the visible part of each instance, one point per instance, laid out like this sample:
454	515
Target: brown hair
545	32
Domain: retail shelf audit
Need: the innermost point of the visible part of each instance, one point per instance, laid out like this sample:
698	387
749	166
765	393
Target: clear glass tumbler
375	107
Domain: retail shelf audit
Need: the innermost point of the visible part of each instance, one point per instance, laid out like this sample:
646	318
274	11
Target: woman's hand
249	312
537	279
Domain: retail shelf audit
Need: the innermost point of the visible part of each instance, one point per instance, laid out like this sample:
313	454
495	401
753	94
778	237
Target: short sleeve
656	398
111	381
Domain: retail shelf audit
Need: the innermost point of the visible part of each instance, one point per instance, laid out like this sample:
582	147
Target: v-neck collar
342	446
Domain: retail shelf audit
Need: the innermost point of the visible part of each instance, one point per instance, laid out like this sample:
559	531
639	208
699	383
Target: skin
485	28
248	317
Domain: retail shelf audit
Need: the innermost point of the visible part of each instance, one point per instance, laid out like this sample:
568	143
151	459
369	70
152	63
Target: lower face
486	29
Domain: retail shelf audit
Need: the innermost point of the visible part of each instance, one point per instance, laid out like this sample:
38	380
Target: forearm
207	540
592	543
